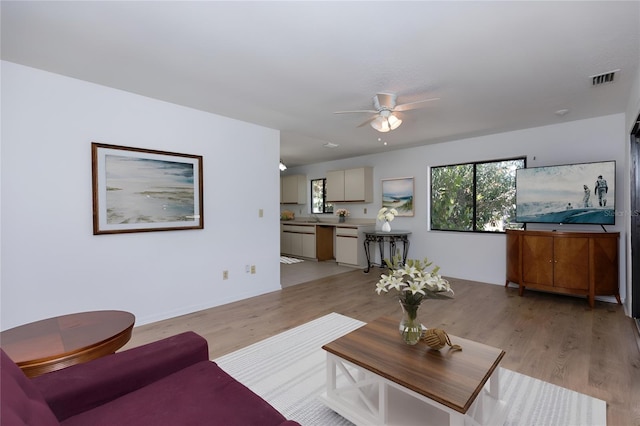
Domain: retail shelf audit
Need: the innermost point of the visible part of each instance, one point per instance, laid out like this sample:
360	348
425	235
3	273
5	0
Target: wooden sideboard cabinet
577	263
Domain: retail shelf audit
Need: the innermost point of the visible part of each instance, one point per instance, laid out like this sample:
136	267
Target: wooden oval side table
55	343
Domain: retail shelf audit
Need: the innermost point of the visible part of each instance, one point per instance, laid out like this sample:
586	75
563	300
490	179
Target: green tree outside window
475	196
319	202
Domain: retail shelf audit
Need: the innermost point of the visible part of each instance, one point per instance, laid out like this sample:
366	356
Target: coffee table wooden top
55	343
452	378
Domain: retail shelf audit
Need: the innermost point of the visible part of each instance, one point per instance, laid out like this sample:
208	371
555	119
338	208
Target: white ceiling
496	66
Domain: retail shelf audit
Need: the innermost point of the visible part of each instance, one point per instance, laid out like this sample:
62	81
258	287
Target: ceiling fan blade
370	111
413	105
369	120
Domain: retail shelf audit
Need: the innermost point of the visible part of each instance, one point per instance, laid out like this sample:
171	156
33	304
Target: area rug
289	260
288	370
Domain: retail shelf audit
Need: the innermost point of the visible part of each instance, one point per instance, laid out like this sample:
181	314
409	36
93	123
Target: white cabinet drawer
304	229
346	232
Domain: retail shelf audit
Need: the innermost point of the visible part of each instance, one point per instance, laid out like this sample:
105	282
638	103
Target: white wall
481	257
51	262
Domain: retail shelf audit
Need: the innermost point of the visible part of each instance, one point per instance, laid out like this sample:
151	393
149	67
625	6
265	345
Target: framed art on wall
397	193
140	190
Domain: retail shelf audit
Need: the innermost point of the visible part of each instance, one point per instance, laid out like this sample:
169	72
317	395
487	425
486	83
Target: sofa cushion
82	387
197	395
22	404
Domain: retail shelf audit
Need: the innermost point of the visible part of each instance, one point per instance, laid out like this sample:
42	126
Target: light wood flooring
550	337
307	270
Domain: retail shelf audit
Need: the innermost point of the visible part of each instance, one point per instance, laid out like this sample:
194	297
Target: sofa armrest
85	386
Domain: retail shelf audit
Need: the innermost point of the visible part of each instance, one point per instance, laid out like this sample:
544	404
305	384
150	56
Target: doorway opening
635	222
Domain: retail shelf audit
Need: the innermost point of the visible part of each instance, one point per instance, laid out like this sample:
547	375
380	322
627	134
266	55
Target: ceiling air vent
607	77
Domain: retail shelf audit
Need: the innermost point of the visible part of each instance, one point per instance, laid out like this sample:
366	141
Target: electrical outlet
253	269
225	275
365	210
247	268
260	213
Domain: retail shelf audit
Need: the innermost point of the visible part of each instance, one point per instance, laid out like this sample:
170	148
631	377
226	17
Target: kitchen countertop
331	222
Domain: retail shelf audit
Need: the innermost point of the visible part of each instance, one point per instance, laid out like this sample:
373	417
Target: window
475	197
319	202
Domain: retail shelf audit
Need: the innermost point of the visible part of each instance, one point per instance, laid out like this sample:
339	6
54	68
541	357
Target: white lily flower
380	287
412	271
415	287
395	282
424	280
412	280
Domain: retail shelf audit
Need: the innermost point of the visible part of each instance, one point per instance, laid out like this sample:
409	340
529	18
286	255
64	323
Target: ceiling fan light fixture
386	122
381	124
385	105
394	122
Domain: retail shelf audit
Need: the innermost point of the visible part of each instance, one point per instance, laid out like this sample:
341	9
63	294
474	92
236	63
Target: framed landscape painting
397	193
139	190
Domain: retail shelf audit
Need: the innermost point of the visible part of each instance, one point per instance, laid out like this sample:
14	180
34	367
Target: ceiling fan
385	106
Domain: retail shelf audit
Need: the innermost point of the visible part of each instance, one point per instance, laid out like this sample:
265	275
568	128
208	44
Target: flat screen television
571	193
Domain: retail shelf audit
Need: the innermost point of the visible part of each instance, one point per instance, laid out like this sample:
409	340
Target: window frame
474	194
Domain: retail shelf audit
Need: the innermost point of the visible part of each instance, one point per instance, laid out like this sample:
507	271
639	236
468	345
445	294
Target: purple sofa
169	382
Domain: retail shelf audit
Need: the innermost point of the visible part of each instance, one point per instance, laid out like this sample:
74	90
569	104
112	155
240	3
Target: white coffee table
374	378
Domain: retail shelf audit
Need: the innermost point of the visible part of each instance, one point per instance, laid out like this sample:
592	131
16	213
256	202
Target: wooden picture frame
398	193
142	190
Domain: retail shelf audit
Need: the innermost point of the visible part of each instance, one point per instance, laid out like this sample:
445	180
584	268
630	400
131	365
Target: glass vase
410	327
386	226
342	219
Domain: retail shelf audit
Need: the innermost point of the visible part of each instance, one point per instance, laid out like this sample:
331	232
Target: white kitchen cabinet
351	185
347	249
350	245
296	244
316	241
298	240
335	185
309	245
293	189
285	242
358	184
